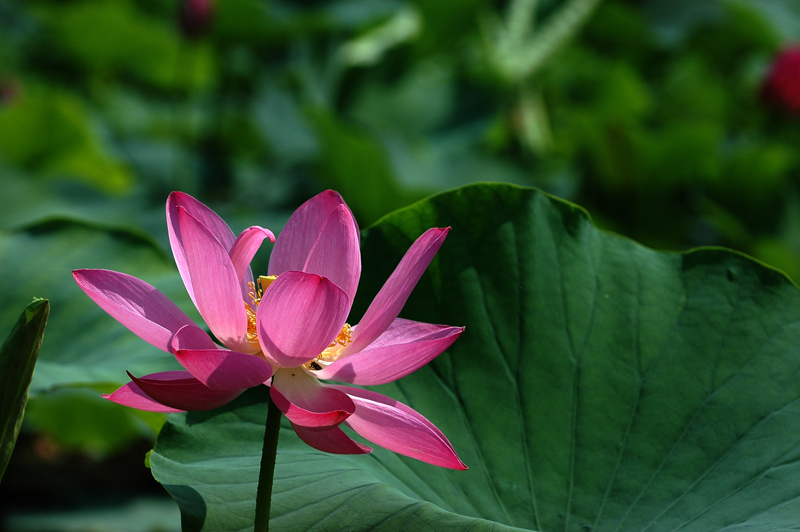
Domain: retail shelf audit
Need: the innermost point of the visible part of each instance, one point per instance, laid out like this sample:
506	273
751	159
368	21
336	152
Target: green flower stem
267	471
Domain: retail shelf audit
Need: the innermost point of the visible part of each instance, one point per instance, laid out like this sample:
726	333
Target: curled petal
306	402
131	395
394	293
206	217
299	316
216	286
405	347
135	304
192	337
321	237
333	441
242	252
181	391
224	370
400	429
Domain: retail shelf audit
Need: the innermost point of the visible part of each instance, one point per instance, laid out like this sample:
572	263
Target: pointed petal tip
180	391
132	396
400	429
332	195
270	235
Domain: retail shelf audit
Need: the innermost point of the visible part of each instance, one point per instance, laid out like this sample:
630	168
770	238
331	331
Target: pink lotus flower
286	330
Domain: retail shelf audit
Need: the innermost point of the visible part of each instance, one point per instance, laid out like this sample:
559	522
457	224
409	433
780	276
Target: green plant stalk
556	32
520	19
267	471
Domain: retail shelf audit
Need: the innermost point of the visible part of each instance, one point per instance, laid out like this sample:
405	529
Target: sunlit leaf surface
599	386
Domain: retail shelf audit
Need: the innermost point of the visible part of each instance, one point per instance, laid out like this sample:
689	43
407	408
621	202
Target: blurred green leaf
139	514
50	132
279	120
683	152
369	48
599	385
420	101
81	420
691	92
782	15
112	36
355	164
18	356
751	24
86	346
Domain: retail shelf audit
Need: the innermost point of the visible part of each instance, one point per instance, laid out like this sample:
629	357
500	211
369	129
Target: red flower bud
195	17
781	87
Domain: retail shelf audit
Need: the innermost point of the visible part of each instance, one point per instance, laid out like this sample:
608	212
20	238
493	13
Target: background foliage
648	113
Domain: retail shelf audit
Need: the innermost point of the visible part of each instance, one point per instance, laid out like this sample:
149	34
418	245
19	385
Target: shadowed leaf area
599	386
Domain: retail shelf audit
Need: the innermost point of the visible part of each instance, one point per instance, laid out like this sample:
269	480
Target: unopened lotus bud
781	86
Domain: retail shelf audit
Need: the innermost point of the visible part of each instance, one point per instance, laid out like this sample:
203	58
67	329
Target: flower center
332	352
256	293
329	355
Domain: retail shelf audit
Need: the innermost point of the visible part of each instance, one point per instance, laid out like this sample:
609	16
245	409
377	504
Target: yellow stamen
343	338
257	290
332	352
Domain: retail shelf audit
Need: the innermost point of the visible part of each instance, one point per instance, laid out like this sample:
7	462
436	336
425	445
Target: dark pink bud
195	17
781	87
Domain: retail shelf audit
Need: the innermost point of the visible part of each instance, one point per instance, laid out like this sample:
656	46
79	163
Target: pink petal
391	298
321	237
133	396
179	390
135	304
308	403
216	286
243	251
224	370
192	337
299	316
405	347
333	441
204	216
400	429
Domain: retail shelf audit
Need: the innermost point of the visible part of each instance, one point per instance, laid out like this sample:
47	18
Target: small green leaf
17	358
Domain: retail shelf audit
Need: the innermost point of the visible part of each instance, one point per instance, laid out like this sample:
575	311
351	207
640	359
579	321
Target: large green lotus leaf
85	346
599	386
